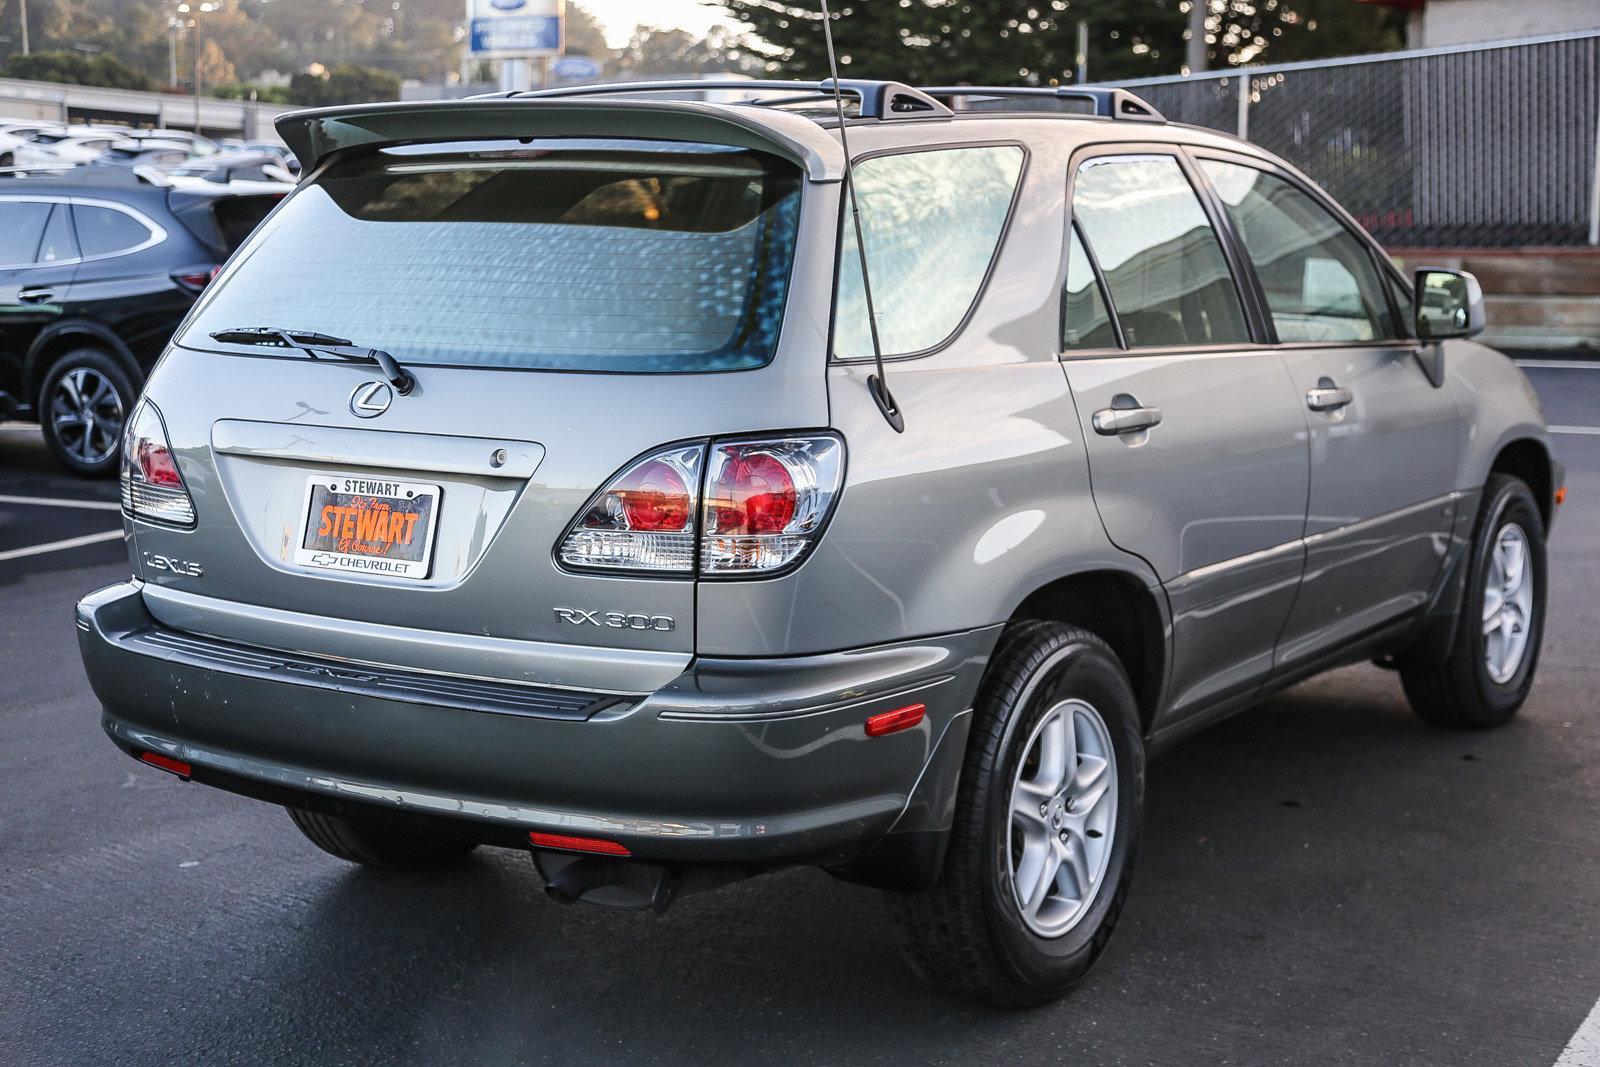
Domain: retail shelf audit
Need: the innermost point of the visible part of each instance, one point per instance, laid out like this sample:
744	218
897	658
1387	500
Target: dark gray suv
536	476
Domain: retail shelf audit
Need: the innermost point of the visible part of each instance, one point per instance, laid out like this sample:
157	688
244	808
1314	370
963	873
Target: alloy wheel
1507	604
87	416
1063	817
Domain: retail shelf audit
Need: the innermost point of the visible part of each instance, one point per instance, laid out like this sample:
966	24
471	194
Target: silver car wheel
1063	817
1507	604
86	415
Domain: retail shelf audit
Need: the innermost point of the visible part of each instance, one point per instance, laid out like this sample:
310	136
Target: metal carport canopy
316	134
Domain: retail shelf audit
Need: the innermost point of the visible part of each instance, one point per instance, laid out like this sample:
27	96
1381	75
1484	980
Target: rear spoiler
316	134
221	220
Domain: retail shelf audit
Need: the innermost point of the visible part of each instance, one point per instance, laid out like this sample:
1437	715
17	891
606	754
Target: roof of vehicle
112	183
236	158
796	120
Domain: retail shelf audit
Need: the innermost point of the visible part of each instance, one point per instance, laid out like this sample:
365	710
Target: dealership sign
514	28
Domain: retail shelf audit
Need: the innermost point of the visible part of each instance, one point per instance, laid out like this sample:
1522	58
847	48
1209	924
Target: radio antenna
877	384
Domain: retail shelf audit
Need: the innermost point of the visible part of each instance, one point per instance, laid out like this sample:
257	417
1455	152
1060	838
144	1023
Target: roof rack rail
878	99
1107	103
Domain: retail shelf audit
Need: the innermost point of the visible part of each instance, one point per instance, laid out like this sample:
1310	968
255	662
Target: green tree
655	53
1035	42
347	83
76	69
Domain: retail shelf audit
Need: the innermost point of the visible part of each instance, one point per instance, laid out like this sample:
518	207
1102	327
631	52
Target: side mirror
1449	304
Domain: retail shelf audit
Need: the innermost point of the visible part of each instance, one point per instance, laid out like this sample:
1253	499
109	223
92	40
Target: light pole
23	7
194	30
1195	50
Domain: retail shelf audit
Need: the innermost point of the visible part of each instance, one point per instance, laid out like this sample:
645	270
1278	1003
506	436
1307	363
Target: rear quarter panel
983	499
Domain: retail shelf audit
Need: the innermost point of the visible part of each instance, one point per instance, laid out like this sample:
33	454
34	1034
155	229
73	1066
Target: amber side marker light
1561	496
167	763
890	722
596	845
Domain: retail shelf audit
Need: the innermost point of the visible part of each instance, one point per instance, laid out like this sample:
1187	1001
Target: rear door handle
1125	415
35	294
1328	396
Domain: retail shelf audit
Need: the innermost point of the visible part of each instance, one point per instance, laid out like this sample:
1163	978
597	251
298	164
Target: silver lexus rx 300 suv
534	477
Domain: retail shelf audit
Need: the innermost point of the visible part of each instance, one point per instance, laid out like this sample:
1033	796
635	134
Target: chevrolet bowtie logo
324	559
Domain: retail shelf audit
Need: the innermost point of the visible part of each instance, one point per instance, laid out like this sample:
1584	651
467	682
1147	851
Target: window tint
627	256
21	225
1163	264
59	241
1321	283
104	230
932	222
1085	323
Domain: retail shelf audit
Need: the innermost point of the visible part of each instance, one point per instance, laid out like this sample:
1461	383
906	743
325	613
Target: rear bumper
754	763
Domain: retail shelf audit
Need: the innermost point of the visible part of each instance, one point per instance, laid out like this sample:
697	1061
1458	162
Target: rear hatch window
542	255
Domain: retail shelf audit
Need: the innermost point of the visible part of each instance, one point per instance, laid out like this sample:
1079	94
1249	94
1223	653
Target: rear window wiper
320	344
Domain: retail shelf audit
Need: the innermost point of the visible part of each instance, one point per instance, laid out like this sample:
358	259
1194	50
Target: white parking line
57	546
1560	364
1591	430
51	502
1584	1048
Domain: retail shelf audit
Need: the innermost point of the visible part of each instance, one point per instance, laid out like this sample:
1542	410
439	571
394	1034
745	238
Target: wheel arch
1529	459
62	337
1120	608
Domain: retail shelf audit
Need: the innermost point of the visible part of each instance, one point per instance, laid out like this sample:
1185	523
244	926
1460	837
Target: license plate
366	525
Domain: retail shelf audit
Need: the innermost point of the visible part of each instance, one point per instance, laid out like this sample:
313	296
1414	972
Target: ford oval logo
507	5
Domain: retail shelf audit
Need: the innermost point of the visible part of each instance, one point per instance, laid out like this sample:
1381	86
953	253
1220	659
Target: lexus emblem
371	399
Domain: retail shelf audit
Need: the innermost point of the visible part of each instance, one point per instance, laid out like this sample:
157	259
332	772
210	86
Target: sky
619	17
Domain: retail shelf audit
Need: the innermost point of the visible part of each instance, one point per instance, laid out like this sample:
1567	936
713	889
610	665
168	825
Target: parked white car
58	147
13	134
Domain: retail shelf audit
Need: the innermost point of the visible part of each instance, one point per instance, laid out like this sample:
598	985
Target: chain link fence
1491	146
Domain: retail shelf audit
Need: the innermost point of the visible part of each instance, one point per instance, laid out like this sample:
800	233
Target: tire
107	396
378	846
968	932
1463	690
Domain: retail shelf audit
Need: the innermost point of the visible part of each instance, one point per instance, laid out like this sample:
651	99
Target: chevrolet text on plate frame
501	29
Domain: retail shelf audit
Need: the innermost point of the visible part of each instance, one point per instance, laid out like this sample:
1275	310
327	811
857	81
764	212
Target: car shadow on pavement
1310	872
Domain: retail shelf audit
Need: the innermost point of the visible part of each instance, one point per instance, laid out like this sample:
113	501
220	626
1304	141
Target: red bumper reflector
166	763
894	721
1561	496
578	844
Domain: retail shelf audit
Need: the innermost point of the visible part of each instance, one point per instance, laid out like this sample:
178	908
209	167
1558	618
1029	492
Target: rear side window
554	255
105	231
22	223
1321	282
932	222
1168	279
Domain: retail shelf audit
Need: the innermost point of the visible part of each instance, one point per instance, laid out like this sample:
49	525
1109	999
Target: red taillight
764	504
166	763
643	520
654	498
596	845
152	485
890	722
197	279
156	463
753	494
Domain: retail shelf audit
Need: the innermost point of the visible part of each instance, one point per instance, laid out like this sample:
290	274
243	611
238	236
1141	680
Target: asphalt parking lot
1324	879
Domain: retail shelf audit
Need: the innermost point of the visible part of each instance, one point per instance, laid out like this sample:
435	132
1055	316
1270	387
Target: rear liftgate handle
1328	395
1125	415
